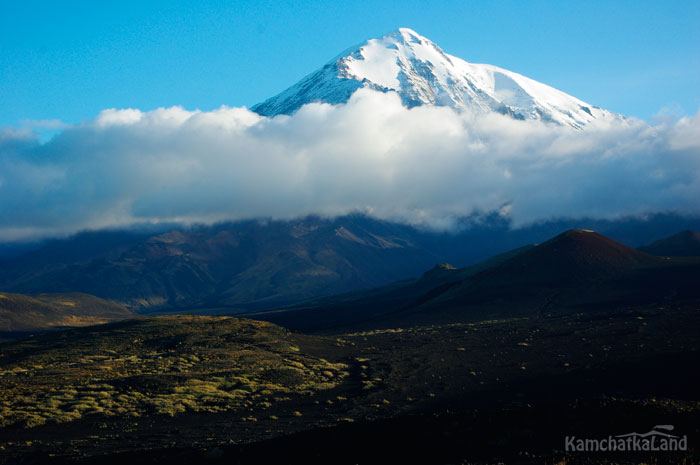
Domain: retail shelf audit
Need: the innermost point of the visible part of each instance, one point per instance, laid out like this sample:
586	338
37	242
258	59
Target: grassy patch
164	365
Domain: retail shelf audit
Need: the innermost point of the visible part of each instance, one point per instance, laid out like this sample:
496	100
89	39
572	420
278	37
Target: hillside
683	244
574	271
573	257
49	311
578	270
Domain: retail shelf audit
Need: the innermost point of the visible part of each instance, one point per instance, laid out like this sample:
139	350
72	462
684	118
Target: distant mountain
48	311
574	263
245	265
422	74
58	254
574	271
252	265
574	256
683	244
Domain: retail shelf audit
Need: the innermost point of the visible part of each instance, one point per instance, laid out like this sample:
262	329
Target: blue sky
72	61
69	60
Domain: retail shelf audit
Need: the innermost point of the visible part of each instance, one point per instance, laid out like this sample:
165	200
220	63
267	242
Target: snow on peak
418	70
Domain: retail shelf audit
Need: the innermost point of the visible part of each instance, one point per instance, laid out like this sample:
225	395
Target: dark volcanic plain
578	336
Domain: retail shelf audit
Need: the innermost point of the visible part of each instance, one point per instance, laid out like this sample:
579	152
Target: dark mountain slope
683	244
574	256
352	307
575	271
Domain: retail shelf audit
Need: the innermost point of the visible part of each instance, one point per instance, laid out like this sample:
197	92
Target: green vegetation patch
163	365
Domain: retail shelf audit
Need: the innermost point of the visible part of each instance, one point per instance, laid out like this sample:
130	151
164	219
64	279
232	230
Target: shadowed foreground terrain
157	391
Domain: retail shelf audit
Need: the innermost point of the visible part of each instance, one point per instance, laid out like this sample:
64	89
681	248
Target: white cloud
423	165
114	117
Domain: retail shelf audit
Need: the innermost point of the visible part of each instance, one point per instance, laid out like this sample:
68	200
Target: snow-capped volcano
422	74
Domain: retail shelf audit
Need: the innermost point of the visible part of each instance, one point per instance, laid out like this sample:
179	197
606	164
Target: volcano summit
422	74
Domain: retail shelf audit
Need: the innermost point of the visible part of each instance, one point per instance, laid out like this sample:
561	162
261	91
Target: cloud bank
425	165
